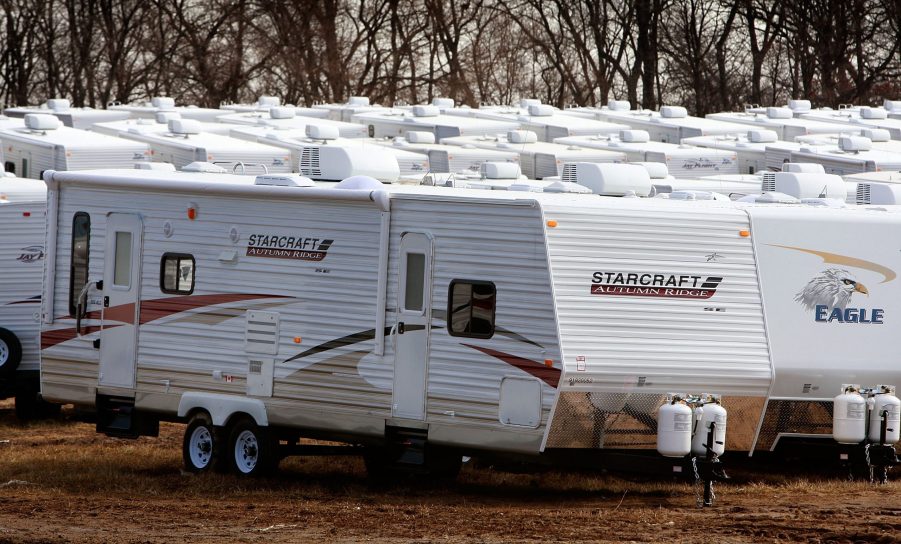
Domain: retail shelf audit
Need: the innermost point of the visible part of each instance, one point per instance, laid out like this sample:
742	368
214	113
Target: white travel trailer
749	147
320	154
449	158
261	310
148	110
670	125
354	105
860	118
158	125
82	118
852	155
682	161
538	160
23	217
185	142
550	123
780	120
296	118
263	104
428	118
44	144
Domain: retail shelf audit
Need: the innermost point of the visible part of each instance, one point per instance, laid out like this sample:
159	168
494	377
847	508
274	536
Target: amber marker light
549	363
552	223
297	339
744	233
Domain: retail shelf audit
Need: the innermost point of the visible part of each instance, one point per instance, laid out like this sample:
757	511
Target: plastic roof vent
204	168
854	144
673	112
443	102
163	117
541	110
282	112
892	105
162	102
525	103
803	168
268	101
873	113
619	105
799	105
779	113
762	136
359	183
657	170
499	170
420	137
426	111
876	134
185	126
41	121
58	104
522	137
634	136
358	101
322	132
610	179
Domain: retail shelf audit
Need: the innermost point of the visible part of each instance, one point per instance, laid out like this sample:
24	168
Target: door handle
400	328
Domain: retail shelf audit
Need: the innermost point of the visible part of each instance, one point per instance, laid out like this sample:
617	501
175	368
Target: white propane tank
711	412
885	401
849	416
674	428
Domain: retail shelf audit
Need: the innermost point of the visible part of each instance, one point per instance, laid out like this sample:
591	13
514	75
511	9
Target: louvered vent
309	162
570	173
863	193
769	182
261	335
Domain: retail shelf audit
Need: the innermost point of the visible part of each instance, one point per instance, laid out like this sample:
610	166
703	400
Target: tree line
708	55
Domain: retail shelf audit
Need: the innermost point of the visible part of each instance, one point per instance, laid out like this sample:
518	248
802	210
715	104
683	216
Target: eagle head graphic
833	288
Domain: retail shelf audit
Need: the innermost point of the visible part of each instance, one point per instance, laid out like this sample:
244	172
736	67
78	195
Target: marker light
552	223
549	363
297	339
744	233
192	213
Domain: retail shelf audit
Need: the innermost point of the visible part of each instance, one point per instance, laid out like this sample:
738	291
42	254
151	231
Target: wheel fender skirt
221	407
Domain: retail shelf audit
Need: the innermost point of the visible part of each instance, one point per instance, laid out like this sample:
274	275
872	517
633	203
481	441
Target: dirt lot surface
61	482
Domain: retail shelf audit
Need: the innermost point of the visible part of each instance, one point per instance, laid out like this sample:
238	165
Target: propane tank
885	401
711	412
849	416
674	428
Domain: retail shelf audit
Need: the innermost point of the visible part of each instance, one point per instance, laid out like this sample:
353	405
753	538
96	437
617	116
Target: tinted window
471	308
81	249
177	273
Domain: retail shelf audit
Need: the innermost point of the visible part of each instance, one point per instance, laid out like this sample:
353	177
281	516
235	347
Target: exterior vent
863	193
309	162
41	121
162	102
769	182
261	334
570	171
873	113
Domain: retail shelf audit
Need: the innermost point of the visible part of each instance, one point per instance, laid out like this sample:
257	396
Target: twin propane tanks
850	424
683	425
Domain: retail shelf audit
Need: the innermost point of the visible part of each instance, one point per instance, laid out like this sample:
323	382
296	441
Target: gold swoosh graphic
835	258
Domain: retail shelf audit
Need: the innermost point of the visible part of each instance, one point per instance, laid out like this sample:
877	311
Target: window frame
73	296
450	312
179	257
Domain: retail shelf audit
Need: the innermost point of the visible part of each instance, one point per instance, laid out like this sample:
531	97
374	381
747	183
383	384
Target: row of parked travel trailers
426	321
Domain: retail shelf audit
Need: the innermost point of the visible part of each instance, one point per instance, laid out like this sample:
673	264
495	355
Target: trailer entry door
414	309
121	300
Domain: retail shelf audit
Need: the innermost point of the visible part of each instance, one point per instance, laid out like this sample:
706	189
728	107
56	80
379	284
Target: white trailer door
414	310
121	300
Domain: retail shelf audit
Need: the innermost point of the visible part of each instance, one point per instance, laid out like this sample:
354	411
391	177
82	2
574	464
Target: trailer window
78	265
10	167
414	282
177	273
122	264
471	306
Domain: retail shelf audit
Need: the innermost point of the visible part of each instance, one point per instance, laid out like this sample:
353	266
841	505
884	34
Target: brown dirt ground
61	482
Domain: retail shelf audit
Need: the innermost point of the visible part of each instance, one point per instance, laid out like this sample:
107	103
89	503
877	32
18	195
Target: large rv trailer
682	161
780	120
82	118
423	318
859	118
749	147
148	110
428	118
538	160
670	125
23	204
159	125
852	155
290	118
43	144
448	158
549	123
354	105
185	142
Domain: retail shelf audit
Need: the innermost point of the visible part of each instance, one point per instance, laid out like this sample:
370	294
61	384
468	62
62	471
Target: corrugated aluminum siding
645	344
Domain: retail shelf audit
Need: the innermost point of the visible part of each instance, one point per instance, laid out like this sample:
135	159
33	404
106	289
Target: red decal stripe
151	310
58	336
548	375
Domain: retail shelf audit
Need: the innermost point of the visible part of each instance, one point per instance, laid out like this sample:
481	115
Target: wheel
253	451
10	353
201	448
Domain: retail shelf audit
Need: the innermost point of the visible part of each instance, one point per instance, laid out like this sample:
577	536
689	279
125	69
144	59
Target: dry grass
64	483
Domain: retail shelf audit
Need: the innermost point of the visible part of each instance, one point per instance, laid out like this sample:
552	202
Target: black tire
252	450
10	353
201	448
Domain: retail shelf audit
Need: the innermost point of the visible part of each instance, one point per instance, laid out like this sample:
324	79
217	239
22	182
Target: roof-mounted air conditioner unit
42	121
609	179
